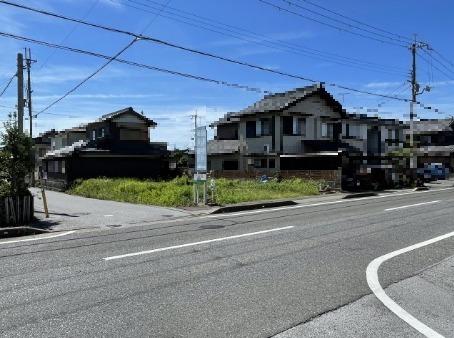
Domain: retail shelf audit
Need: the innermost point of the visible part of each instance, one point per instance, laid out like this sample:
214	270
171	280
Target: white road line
374	285
37	238
241	213
411	205
195	243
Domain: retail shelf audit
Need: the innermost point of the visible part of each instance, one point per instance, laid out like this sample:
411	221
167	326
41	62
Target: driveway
69	212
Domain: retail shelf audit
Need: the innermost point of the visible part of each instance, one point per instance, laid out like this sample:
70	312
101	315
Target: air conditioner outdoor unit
266	148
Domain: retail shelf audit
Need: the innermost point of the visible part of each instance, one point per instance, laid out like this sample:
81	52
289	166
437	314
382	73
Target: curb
252	206
361	194
20	231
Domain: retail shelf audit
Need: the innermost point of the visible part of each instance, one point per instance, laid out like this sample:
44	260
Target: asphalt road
247	283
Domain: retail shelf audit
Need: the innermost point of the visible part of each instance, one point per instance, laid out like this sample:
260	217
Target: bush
16	161
178	192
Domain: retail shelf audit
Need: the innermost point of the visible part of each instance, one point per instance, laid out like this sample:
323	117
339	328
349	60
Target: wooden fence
16	210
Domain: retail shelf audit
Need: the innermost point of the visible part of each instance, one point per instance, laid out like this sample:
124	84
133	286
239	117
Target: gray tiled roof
114	114
430	126
279	101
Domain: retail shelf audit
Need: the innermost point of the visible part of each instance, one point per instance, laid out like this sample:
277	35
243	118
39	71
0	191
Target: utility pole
196	188
414	93
20	92
28	62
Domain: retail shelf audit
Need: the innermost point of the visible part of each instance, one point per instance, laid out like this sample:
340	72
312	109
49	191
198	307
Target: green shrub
178	192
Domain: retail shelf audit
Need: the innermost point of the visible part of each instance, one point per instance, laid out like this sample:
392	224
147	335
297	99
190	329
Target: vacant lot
178	192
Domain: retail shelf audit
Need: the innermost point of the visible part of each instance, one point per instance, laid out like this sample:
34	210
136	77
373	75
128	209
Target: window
391	134
102	132
287	125
230	165
271	163
301	126
324	130
327	130
266	127
260	163
93	135
352	130
250	129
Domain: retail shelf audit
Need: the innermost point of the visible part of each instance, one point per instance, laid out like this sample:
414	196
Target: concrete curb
21	231
252	206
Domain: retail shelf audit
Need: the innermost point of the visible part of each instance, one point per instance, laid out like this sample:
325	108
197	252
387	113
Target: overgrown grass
178	192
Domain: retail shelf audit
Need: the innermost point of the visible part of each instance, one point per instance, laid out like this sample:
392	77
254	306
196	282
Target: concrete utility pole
20	92
414	93
28	62
196	188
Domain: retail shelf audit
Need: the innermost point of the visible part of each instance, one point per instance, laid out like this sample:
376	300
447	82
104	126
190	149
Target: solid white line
411	205
37	238
374	285
196	243
241	213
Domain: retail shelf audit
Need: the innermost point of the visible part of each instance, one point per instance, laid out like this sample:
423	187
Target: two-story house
434	141
41	145
116	145
301	129
278	132
67	137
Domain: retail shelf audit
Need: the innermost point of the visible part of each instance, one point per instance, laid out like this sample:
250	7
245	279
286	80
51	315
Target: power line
88	77
435	67
136	64
290	3
357	21
235	30
438	61
328	24
73	29
146	38
120	31
441	56
164	6
8	83
187	75
169	44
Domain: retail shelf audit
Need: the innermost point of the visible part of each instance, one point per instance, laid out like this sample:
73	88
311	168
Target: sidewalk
68	212
428	296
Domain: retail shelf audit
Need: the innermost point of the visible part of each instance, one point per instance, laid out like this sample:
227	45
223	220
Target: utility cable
8	84
72	90
116	30
280	8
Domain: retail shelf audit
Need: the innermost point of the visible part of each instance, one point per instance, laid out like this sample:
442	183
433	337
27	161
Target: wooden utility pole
20	92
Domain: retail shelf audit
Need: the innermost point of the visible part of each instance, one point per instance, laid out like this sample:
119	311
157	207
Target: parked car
439	171
432	172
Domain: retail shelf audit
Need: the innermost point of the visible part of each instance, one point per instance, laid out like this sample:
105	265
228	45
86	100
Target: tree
16	161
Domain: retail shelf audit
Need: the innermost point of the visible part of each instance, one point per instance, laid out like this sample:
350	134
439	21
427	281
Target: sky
278	34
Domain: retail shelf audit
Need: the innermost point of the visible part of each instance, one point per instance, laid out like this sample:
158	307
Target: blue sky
170	100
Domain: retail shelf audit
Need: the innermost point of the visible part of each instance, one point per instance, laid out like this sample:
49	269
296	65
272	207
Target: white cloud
382	85
274	37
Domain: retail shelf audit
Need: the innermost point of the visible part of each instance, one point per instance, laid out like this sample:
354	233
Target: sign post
200	175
